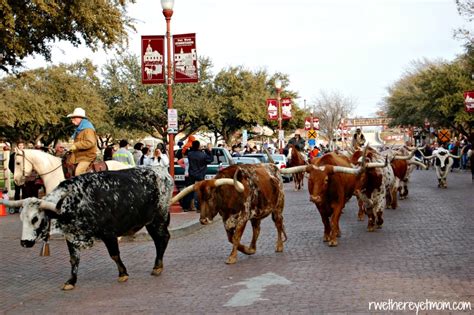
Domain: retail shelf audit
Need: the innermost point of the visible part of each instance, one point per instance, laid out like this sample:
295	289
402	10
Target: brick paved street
424	251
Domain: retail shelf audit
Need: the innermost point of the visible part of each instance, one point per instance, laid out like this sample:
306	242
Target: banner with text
185	58
153	49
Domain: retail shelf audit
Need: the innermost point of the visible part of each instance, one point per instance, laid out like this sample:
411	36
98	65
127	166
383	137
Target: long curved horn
454	156
12	203
347	170
294	169
420	164
238	185
229	181
270	159
404	157
47	205
181	194
425	157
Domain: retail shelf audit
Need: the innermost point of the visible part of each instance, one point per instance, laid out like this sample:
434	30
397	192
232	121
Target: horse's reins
25	158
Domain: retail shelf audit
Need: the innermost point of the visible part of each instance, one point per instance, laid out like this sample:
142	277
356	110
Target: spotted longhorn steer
103	206
443	162
258	192
373	188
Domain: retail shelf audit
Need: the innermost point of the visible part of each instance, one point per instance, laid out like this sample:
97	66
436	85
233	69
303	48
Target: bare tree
331	108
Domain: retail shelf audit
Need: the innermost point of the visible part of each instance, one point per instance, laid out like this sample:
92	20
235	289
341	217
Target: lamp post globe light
167	6
278	90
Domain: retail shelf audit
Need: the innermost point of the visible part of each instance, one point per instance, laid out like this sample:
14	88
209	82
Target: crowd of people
191	156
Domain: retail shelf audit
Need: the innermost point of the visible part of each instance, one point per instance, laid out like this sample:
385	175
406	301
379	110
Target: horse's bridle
26	159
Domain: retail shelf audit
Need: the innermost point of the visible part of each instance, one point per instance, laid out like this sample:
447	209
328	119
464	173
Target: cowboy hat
78	112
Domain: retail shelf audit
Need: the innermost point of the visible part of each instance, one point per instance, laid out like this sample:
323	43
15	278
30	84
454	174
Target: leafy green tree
433	90
30	27
34	103
240	100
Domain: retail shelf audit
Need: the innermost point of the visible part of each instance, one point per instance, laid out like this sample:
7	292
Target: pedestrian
109	152
145	159
198	161
123	154
137	152
314	153
186	202
19	190
358	140
85	141
235	150
160	157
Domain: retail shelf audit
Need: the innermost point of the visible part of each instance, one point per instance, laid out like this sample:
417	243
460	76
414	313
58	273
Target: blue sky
355	48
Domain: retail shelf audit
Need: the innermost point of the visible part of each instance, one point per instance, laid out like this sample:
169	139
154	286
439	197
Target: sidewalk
181	224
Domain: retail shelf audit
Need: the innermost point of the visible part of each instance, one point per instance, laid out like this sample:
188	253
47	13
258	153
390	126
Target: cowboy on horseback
297	141
85	141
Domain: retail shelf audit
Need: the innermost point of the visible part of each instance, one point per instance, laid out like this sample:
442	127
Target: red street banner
469	101
286	108
185	58
272	109
307	123
153	49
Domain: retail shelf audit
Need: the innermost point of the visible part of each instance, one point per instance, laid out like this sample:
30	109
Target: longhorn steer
443	162
331	184
102	206
373	188
259	194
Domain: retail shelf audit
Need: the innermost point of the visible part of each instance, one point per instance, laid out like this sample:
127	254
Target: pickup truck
222	159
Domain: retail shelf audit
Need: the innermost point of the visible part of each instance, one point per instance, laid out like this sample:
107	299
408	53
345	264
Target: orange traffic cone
3	208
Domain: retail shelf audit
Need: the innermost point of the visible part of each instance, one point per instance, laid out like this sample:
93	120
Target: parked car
280	161
246	160
263	157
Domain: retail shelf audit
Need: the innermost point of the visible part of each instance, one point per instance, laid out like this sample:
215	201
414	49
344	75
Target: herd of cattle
102	205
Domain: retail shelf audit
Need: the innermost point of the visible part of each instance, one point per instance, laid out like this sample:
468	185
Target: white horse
48	167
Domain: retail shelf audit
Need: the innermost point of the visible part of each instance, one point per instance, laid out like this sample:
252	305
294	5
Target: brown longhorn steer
260	196
331	184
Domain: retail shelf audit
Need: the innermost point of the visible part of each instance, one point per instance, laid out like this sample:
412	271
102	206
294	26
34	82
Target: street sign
172	120
444	135
312	142
312	134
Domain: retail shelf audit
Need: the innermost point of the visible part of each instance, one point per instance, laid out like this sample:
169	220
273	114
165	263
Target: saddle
69	169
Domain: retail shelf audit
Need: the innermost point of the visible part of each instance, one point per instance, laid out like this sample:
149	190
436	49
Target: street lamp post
167	6
278	90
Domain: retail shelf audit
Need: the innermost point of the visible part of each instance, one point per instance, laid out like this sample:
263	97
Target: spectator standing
137	152
198	161
145	159
123	154
160	157
235	150
109	152
85	141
